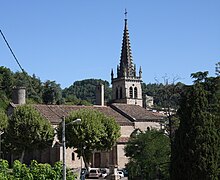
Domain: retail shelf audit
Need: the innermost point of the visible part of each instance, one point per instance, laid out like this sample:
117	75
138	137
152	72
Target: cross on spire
126	13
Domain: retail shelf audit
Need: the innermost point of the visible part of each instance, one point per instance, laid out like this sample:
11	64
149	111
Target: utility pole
64	147
64	142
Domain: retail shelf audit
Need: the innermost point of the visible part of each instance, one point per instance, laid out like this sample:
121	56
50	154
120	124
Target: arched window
120	92
116	93
131	92
135	93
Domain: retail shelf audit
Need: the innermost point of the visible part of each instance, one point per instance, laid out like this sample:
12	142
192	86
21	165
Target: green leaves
36	171
95	132
28	130
85	90
195	151
148	154
3	120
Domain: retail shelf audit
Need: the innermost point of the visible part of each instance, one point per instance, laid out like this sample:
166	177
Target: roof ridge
122	113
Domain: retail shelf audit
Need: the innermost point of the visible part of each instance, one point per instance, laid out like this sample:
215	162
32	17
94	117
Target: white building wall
70	163
144	125
126	131
122	159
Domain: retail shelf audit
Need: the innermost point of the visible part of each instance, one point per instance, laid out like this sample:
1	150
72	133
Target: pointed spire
112	75
126	62
140	73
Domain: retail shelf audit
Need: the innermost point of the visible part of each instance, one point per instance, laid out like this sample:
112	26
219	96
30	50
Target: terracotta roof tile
123	140
54	113
136	113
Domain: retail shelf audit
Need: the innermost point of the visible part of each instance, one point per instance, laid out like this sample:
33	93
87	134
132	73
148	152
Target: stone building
126	87
126	108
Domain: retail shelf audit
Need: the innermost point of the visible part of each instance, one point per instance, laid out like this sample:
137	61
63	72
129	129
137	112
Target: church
126	108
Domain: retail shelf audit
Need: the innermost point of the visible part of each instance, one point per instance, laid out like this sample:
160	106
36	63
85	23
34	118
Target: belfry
126	87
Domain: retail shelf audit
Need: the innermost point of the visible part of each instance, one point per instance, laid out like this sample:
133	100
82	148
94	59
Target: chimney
100	95
18	95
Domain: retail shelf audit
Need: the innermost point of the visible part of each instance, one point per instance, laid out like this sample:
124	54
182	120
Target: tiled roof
54	113
123	140
136	113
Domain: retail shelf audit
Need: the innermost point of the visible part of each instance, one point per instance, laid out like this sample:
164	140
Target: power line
12	51
30	83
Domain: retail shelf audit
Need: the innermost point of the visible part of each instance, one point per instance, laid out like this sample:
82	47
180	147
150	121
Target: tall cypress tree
196	147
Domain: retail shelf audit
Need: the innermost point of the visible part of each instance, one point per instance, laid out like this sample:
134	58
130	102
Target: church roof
54	113
124	114
137	113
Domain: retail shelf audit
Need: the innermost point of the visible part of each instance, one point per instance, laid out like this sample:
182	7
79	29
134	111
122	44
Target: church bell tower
126	86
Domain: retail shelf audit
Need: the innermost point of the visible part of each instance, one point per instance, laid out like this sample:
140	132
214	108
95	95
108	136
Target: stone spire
126	68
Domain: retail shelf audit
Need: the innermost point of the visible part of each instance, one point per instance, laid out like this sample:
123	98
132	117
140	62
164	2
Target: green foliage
6	80
28	130
148	154
3	120
21	171
73	100
3	169
195	151
96	132
199	76
36	171
80	93
165	96
85	90
52	93
217	69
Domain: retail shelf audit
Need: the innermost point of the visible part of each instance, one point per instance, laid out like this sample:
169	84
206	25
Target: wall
144	125
121	158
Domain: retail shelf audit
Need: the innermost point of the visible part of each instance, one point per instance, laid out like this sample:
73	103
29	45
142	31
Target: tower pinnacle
126	13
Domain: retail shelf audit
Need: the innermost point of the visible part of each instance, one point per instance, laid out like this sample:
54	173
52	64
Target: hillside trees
96	132
148	154
195	151
28	130
85	90
164	94
6	81
52	93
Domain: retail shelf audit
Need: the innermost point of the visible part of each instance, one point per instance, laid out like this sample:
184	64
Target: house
126	108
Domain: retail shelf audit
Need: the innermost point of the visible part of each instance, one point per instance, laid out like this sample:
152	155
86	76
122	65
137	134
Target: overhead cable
12	51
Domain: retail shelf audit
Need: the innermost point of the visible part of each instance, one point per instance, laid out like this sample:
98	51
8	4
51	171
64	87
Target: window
135	92
131	92
73	156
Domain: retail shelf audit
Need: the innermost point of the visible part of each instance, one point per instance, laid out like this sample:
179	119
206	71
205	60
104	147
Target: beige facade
143	126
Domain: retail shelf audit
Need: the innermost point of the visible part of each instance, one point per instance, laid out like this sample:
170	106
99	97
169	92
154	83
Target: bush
36	171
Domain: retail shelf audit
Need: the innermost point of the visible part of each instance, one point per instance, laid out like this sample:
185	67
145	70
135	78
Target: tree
96	132
85	90
6	81
3	120
195	151
3	126
148	154
28	130
36	171
52	93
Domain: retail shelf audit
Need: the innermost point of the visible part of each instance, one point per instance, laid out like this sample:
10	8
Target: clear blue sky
74	40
